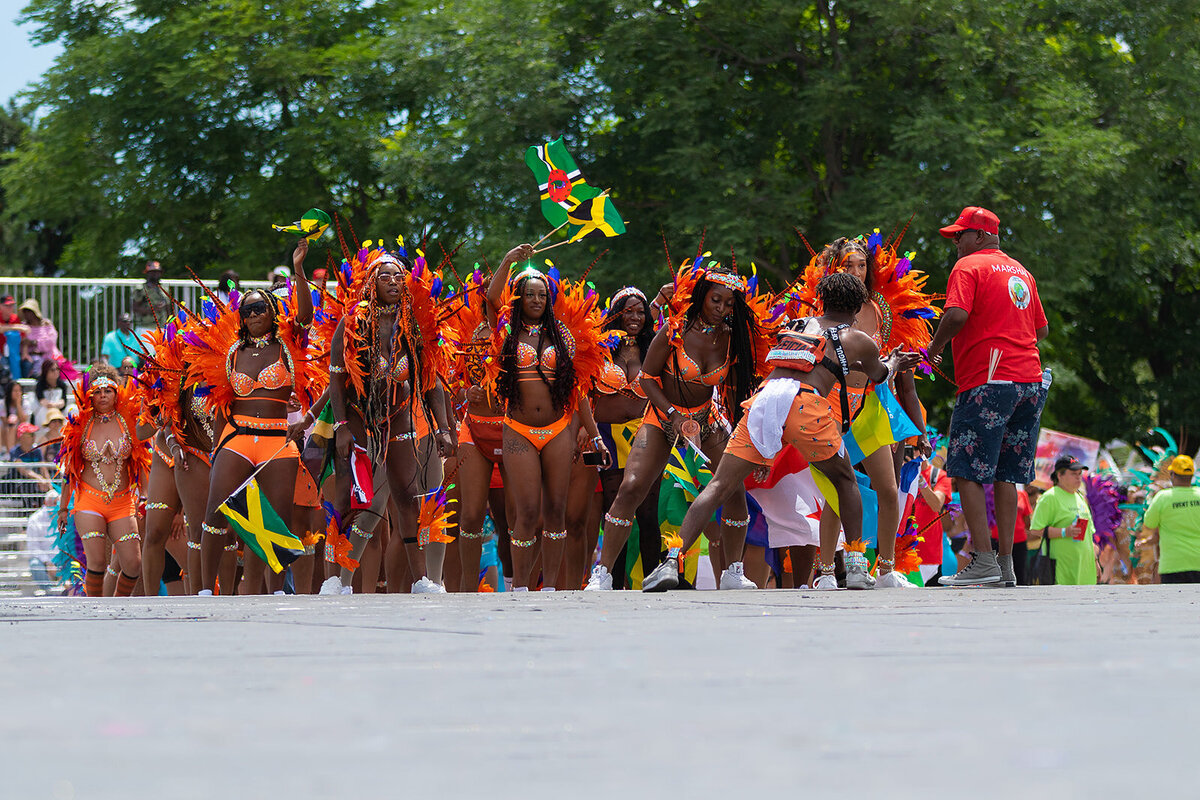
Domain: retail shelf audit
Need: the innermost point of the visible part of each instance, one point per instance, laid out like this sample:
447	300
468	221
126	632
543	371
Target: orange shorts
810	428
854	394
93	501
254	448
485	434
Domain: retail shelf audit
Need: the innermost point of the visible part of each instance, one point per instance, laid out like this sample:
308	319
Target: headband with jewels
102	382
530	272
627	292
715	273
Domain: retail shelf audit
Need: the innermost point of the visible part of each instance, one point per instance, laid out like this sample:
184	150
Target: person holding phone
1062	514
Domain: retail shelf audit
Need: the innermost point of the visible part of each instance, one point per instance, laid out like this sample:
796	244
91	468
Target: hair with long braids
612	321
836	252
406	341
272	305
562	388
743	329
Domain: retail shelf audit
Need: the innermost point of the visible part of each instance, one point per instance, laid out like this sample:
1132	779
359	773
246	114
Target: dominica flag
594	218
253	519
560	182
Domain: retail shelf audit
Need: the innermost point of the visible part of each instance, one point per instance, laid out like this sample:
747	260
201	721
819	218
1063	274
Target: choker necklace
705	329
533	330
260	341
104	417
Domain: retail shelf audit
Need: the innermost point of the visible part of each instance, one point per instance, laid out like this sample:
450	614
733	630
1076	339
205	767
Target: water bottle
1047	379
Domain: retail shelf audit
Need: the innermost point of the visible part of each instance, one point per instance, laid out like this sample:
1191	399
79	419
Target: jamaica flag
561	183
594	218
260	527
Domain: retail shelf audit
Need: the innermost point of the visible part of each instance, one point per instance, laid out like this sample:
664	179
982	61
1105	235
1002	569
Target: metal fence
84	309
26	533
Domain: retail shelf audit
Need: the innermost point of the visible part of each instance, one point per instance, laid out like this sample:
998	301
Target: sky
20	62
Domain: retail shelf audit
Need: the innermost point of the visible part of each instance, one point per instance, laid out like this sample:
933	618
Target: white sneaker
600	580
893	580
278	592
734	578
520	588
547	589
332	585
825	582
857	577
204	593
426	586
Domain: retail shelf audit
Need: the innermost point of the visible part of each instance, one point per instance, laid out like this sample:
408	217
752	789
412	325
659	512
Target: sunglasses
250	309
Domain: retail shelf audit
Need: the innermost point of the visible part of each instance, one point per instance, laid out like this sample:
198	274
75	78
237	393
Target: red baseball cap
973	218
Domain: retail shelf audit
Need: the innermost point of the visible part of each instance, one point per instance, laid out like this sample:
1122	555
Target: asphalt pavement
1036	692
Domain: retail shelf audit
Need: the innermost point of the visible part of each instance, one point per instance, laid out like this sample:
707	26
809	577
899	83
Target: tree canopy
180	130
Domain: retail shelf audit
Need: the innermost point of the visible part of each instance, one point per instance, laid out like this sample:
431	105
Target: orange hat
973	218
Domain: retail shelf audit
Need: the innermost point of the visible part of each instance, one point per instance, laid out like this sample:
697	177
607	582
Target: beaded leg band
91	535
885	564
129	537
110	570
469	535
736	523
856	559
157	506
523	543
827	569
193	545
611	520
555	536
357	531
231	548
211	529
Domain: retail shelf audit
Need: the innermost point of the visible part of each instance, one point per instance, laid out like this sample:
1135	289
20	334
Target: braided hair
562	388
743	329
272	304
612	321
836	252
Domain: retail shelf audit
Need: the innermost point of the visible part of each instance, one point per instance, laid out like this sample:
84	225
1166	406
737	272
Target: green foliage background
178	129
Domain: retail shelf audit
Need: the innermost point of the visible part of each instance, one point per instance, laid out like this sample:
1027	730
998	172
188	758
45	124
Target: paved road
1058	692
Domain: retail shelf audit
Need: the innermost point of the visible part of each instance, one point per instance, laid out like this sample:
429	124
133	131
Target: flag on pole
560	182
881	422
594	218
257	524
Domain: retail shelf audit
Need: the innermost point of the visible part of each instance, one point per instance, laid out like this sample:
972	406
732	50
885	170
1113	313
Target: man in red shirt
995	319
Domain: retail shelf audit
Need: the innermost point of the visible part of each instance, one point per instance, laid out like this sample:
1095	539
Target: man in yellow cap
1173	521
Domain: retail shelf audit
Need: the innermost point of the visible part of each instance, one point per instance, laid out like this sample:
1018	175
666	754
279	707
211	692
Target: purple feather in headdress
902	267
235	299
989	496
191	338
1104	500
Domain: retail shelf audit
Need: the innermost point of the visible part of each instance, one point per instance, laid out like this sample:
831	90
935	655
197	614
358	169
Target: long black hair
562	388
743	330
612	322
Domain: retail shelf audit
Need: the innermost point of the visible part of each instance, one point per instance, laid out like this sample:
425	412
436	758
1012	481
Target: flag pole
551	247
257	470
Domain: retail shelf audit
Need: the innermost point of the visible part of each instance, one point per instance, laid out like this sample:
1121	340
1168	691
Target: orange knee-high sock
124	585
93	583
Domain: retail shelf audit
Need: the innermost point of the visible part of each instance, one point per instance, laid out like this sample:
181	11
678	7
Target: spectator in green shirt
1173	522
1062	514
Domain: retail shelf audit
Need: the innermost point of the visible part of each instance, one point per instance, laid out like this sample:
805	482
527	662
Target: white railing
84	309
27	548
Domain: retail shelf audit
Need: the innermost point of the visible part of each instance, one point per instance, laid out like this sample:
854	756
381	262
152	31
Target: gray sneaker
1006	570
664	577
982	570
859	578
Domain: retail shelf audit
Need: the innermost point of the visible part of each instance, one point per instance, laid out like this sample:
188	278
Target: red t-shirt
999	340
1020	532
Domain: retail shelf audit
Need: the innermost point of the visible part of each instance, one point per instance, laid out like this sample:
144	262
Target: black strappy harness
839	368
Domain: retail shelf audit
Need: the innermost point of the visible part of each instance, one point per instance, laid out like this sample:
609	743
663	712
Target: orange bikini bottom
539	437
257	440
89	500
485	434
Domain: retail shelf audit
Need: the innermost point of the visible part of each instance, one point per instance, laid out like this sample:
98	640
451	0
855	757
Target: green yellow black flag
595	217
260	527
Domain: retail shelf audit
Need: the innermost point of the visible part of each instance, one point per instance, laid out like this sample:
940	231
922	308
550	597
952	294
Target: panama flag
560	182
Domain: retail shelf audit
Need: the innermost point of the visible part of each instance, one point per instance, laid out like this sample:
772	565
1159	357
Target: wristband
598	443
670	410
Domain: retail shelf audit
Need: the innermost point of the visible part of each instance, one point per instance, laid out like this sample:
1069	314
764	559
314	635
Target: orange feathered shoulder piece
466	337
906	309
577	309
162	375
70	455
425	284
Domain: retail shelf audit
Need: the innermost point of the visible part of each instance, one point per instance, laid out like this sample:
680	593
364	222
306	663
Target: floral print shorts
994	432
